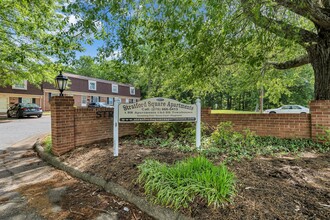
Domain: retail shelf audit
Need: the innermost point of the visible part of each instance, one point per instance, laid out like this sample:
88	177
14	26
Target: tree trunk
319	55
220	107
228	102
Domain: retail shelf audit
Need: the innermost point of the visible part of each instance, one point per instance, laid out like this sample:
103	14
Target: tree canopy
179	49
35	39
196	47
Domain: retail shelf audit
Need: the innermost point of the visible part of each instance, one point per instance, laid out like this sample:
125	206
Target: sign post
115	128
198	124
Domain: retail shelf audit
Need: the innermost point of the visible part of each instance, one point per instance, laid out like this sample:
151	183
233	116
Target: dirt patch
267	187
78	200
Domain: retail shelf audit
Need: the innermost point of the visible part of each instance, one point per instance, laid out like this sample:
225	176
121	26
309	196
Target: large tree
274	16
196	43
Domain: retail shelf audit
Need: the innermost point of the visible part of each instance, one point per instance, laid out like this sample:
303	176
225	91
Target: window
131	100
34	100
114	88
26	100
109	101
20	85
92	85
94	98
132	90
127	100
83	100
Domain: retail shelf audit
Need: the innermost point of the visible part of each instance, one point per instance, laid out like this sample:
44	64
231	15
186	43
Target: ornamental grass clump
47	143
178	185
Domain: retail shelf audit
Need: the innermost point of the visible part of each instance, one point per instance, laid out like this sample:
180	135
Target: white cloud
73	19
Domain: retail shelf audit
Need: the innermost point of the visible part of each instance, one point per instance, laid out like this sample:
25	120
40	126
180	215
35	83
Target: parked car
98	105
287	109
20	110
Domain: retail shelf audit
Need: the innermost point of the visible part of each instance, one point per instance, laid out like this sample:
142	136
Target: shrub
180	184
234	145
325	137
225	136
181	131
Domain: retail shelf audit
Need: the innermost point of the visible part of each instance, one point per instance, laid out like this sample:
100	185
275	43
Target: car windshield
29	105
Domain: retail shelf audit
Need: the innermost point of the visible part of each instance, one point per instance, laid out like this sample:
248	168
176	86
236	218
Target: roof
94	79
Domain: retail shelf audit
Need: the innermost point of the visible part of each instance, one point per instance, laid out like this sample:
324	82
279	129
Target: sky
91	50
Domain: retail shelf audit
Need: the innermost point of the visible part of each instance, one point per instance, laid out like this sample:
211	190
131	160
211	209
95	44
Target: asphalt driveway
16	130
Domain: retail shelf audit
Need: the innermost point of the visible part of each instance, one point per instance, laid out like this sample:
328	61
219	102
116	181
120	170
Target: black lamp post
61	82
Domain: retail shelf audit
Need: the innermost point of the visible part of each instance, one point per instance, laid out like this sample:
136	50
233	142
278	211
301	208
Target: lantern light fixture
61	82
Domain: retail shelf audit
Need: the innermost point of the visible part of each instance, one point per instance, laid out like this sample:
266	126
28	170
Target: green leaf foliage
33	34
215	50
180	184
237	145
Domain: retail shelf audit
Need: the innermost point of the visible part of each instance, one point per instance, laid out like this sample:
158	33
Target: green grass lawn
232	112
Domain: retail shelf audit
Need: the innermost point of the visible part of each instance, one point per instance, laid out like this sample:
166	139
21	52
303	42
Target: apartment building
83	89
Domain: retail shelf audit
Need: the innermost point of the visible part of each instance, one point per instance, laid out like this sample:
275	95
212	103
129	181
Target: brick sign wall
96	124
73	127
278	125
320	118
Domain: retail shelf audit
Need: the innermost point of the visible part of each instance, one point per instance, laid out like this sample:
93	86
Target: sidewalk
30	189
19	167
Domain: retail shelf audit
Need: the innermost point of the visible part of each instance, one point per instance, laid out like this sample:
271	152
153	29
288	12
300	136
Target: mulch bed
277	187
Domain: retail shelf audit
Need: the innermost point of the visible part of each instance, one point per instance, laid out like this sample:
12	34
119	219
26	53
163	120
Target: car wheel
18	115
8	115
39	116
303	113
272	112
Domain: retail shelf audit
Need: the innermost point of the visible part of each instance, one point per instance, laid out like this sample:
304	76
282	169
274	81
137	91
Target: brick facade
72	127
278	125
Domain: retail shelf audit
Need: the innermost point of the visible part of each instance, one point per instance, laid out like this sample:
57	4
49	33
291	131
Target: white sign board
157	110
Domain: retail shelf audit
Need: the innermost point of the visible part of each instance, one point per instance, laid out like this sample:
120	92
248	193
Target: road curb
155	211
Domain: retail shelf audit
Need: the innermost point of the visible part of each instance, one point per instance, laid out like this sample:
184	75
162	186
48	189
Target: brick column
62	115
320	118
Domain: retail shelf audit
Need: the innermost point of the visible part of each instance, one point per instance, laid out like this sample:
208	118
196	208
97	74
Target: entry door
3	104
